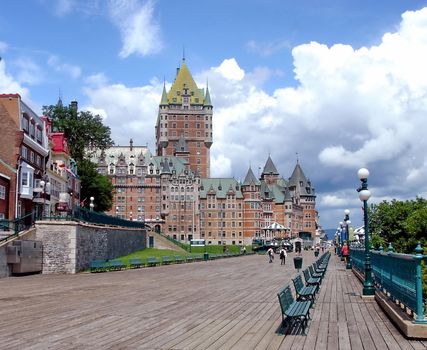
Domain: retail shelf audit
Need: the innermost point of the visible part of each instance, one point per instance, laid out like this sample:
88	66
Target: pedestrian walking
283	256
270	255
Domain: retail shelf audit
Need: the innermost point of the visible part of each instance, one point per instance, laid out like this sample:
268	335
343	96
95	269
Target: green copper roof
299	180
220	186
250	178
164	101
184	80
270	168
181	146
207	98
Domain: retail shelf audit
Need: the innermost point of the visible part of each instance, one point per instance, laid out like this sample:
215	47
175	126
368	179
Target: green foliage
85	133
83	130
95	185
403	223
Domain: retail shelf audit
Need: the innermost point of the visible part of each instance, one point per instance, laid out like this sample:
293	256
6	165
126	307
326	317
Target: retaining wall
69	247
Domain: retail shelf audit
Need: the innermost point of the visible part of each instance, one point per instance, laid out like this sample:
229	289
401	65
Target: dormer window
301	183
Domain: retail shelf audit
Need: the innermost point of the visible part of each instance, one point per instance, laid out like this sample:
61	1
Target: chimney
131	144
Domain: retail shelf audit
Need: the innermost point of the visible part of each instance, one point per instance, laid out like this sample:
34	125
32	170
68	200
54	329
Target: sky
338	84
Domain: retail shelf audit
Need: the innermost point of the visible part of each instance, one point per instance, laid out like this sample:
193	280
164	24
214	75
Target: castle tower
185	117
304	193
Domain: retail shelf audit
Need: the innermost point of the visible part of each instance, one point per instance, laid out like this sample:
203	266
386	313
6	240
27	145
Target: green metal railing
83	214
186	247
398	276
12	227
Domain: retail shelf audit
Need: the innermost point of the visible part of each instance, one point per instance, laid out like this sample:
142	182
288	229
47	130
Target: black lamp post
347	222
364	195
342	237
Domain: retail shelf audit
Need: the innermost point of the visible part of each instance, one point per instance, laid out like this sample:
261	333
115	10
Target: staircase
161	242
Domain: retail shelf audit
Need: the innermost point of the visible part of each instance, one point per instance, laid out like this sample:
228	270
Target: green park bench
304	292
309	280
198	258
165	260
98	266
135	263
151	261
292	310
190	258
116	265
178	259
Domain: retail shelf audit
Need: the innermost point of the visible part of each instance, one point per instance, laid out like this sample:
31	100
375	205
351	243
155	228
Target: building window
2	192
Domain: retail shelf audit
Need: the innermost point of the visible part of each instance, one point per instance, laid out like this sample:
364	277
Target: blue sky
340	82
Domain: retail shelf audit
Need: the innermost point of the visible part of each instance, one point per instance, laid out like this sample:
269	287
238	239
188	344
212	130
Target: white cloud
230	70
350	108
10	85
139	31
3	47
29	72
130	112
69	69
62	7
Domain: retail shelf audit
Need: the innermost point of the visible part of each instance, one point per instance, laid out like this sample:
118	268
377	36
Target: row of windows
31	129
174	134
30	156
174	117
2	192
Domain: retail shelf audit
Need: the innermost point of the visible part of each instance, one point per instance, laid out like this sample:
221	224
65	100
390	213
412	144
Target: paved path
222	304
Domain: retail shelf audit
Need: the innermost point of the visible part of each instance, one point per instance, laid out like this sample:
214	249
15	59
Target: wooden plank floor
222	304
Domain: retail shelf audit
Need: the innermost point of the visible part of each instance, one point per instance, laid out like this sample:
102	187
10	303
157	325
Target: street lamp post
45	185
364	195
342	236
91	205
347	236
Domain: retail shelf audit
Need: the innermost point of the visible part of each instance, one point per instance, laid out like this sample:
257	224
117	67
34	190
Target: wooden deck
222	304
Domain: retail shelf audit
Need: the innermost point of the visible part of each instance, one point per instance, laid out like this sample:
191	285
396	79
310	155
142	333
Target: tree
84	131
401	223
95	185
86	134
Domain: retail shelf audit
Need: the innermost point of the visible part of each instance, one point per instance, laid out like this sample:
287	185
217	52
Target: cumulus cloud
10	85
351	107
139	31
130	112
69	69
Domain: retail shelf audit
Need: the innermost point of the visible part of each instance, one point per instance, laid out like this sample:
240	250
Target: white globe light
363	174
364	195
42	183
91	205
340	223
346	212
91	198
348	222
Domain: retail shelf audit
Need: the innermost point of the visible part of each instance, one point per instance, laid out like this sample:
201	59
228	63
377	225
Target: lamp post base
368	291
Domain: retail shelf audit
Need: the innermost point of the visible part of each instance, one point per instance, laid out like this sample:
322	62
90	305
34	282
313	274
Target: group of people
282	254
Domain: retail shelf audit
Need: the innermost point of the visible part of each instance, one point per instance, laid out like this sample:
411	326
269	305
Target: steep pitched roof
270	168
298	180
221	187
207	101
164	101
184	79
297	176
181	146
250	178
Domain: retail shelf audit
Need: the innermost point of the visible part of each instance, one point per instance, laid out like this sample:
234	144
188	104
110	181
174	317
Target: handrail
398	276
16	226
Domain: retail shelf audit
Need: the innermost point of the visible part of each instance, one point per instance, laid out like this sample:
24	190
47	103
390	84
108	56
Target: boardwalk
222	304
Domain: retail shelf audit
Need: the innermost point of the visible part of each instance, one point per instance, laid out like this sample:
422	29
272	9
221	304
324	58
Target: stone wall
4	268
69	247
